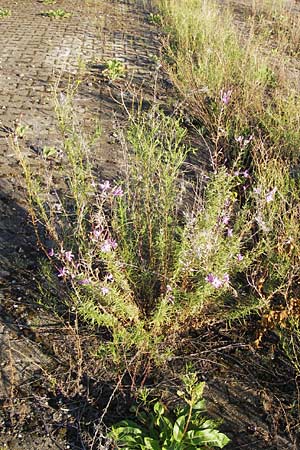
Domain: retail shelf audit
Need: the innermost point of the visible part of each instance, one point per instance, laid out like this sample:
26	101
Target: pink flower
214	281
108	245
225	96
229	232
247	141
84	282
225	220
217	282
62	272
104	290
69	256
270	196
96	234
225	278
109	278
51	252
240	257
105	186
117	191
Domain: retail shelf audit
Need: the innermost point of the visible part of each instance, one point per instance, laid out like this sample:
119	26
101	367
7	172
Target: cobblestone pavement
37	51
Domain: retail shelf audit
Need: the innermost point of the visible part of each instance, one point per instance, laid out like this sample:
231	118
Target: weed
5	12
241	97
114	70
49	152
48	2
155	19
208	63
56	14
131	256
21	130
158	428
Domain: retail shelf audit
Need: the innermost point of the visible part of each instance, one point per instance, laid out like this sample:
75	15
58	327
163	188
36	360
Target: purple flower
225	96
257	190
270	196
96	234
217	282
51	252
84	282
240	257
108	245
104	290
69	256
117	191
240	140
225	278
229	232
109	278
225	220
105	186
247	141
214	281
246	174
62	272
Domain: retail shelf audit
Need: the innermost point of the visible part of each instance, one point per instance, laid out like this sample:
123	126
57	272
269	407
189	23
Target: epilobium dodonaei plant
140	255
158	428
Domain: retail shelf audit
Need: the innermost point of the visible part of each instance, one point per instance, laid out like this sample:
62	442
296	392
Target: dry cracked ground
40	55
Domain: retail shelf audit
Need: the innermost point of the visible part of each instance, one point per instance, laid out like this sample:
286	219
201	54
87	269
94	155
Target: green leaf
125	428
208	436
179	428
198	389
199	406
208	424
152	444
159	408
166	427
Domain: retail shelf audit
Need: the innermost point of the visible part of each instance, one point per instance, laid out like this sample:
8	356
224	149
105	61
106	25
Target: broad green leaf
199	406
208	424
166	427
134	442
159	408
208	436
152	444
127	427
179	428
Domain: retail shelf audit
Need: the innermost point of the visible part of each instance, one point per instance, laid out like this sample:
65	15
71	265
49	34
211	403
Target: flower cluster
217	282
225	96
244	141
106	189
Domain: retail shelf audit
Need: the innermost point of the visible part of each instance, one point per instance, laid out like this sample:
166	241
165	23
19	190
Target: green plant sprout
155	19
48	2
114	70
21	130
49	152
56	14
158	428
4	12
